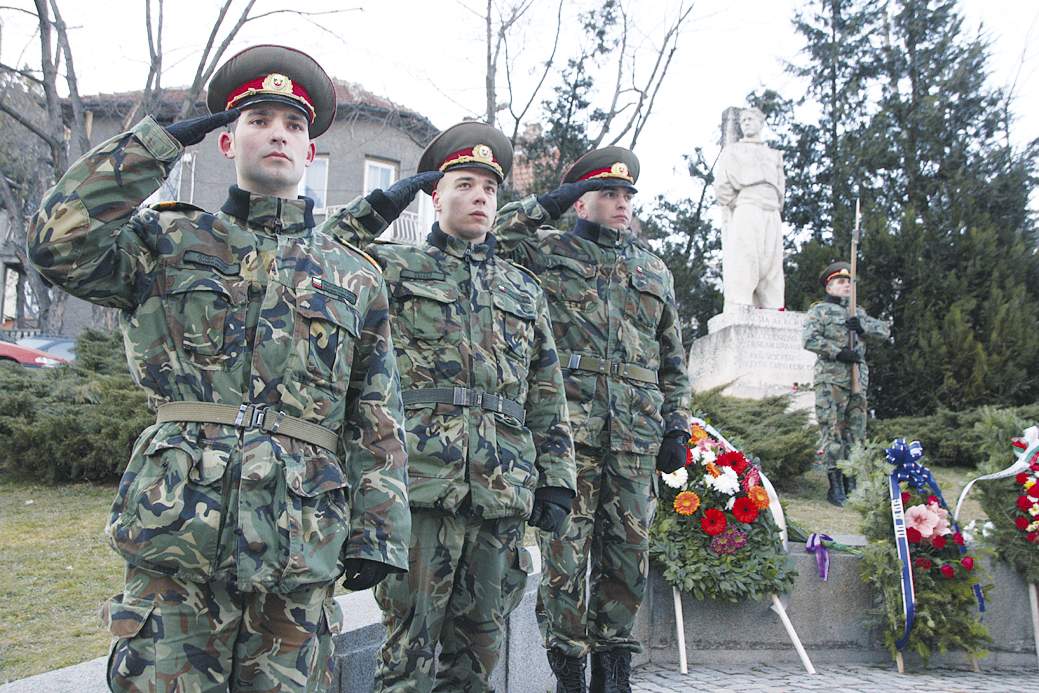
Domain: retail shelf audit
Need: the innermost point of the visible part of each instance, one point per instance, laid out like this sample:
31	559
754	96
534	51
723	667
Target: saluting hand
560	199
390	203
189	132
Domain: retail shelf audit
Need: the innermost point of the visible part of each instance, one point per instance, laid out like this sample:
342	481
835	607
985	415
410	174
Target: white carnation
677	478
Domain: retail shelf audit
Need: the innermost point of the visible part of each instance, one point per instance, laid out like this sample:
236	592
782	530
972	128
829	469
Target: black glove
672	454
849	356
560	199
362	573
551	506
854	324
189	132
395	199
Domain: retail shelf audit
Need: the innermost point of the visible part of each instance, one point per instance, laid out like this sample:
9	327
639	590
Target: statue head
752	122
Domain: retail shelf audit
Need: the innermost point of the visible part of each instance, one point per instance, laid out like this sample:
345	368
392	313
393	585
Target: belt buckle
460	397
603	364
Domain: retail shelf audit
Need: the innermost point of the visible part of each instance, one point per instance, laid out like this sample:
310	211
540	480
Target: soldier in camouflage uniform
620	344
487	428
840	412
277	459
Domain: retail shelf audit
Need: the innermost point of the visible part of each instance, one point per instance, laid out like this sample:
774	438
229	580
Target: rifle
856	387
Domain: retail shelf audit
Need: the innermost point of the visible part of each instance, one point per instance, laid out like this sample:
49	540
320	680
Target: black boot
611	672
849	485
569	672
836	493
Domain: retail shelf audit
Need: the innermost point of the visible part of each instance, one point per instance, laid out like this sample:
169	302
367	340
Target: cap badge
619	169
483	153
277	83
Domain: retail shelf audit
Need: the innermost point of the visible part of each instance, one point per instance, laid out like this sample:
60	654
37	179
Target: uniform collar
278	214
605	236
458	248
836	300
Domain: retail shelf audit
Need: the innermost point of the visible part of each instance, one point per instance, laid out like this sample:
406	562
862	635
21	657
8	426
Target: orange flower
686	503
712	468
759	497
697	434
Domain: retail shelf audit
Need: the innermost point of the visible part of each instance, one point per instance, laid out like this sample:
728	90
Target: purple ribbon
822	556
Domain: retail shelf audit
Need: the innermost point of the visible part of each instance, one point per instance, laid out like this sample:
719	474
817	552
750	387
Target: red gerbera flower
1022	523
923	563
913	535
967	563
1022	478
745	510
1024	502
713	521
734	459
947	571
688	456
938	542
1033	490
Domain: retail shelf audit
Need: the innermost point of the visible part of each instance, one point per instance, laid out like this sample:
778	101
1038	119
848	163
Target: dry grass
58	569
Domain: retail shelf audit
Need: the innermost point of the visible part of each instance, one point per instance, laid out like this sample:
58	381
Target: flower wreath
929	589
1011	502
710	533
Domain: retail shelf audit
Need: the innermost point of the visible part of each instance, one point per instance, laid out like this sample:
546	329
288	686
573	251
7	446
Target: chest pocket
569	280
646	299
514	311
425	310
327	328
206	314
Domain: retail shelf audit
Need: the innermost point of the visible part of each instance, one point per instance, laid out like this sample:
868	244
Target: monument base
755	353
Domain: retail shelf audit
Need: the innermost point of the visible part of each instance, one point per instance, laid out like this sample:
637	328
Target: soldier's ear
226	144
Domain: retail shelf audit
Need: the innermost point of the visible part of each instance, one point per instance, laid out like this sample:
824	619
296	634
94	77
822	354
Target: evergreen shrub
74	422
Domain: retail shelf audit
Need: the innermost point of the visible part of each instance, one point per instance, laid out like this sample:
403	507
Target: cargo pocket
205	313
125	617
326	327
318	521
514	584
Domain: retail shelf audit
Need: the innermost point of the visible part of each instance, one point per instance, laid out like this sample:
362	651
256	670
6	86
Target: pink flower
923	520
947	571
967	563
944	526
932	500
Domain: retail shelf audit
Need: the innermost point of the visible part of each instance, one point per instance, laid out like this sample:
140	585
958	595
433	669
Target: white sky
428	55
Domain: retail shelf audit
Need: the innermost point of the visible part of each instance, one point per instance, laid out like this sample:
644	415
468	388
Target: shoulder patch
175	206
525	271
360	252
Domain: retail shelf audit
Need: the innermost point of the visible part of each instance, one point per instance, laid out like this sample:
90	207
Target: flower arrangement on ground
713	533
933	576
1012	505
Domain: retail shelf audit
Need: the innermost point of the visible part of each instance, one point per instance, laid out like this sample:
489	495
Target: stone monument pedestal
755	353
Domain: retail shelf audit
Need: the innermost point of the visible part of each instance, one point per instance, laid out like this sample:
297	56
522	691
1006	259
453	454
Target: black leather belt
576	362
247	416
464	397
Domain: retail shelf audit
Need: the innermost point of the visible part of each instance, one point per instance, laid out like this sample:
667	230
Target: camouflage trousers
842	421
180	636
465	576
581	610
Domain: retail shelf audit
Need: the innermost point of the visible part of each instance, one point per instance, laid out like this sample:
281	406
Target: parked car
30	358
62	347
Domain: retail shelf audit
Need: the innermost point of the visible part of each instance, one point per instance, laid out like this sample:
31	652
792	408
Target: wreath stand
777	604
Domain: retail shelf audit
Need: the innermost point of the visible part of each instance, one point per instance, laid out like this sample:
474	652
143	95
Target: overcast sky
428	55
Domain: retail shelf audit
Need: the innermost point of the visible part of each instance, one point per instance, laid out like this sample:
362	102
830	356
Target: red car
30	358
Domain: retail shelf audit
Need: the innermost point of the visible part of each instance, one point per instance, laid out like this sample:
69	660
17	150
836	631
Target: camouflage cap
275	73
617	166
837	269
471	144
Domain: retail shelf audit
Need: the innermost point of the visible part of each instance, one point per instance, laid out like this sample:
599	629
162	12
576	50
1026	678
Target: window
314	183
378	174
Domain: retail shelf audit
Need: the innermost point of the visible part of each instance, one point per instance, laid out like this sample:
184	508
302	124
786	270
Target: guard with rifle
833	331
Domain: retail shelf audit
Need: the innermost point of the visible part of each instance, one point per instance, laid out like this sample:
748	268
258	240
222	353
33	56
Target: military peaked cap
279	74
617	166
837	269
471	144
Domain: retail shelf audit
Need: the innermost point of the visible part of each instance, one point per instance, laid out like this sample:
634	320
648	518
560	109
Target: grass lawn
58	568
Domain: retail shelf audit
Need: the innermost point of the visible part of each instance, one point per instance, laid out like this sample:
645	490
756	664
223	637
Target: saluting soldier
616	325
487	428
840	412
277	459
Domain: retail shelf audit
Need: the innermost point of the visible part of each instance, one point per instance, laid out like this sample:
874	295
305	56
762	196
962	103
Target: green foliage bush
72	423
780	440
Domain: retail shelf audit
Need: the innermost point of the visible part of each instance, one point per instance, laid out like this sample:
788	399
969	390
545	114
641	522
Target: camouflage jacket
465	318
250	305
825	334
608	299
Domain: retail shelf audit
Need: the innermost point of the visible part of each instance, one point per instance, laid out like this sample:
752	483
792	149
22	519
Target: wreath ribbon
1030	443
905	457
816	545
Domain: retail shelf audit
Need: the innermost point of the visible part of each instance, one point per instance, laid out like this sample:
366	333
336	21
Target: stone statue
750	183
